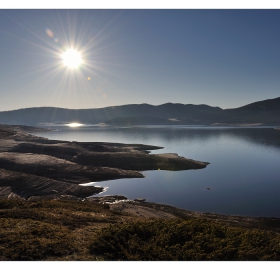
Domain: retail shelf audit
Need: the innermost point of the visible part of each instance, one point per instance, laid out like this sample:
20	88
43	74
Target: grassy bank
76	230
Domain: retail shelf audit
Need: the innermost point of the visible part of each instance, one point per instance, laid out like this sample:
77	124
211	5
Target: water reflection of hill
260	136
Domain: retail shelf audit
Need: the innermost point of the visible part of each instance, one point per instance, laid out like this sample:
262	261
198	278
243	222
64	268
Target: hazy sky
225	58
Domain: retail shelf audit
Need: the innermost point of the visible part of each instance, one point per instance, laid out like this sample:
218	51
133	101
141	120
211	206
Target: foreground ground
87	230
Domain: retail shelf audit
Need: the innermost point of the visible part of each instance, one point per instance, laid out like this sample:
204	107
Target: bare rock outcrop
35	166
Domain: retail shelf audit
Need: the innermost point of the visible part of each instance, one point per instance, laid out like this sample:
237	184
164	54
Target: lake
243	174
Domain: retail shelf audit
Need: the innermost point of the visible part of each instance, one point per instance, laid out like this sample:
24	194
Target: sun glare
74	124
72	58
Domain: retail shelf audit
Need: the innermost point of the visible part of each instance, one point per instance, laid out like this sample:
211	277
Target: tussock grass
49	230
193	239
32	240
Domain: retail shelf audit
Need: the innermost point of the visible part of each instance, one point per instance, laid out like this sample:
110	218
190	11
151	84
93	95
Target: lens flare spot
88	78
49	33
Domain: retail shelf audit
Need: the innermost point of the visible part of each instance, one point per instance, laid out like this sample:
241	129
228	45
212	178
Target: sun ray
69	53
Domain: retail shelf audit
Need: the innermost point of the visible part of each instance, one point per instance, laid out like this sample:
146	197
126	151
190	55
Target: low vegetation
194	239
83	230
49	230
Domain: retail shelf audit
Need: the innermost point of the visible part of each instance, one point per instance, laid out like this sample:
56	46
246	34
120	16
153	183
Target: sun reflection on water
74	124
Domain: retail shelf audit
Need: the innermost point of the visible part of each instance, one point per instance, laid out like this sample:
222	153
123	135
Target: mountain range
266	112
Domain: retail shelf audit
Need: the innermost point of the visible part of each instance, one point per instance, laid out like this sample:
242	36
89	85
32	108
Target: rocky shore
34	166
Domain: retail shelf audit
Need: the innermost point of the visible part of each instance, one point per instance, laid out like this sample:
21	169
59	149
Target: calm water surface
243	174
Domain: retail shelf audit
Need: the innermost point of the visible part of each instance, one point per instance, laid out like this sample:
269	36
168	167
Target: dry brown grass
51	230
86	230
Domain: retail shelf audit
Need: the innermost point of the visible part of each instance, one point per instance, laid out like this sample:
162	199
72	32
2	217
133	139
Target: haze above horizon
225	58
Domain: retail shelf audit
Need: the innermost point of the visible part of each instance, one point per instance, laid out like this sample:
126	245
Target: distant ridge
266	112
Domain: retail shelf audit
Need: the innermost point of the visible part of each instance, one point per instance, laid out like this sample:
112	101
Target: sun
72	58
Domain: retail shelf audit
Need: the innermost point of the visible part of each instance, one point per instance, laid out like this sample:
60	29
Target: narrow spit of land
46	215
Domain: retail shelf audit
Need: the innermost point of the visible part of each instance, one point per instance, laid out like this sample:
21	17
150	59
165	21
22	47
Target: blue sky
225	58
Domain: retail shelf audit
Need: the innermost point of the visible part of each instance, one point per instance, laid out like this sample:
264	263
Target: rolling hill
266	112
